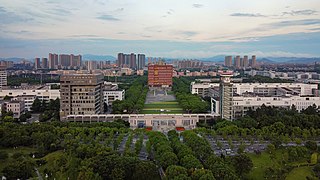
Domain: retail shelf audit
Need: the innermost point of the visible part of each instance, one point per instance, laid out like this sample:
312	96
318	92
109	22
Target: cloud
245	39
247	15
108	17
120	9
84	36
7	17
303	22
197	5
315	29
188	33
306	12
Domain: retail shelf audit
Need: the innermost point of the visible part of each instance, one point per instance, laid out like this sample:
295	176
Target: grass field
299	173
260	163
263	161
170	107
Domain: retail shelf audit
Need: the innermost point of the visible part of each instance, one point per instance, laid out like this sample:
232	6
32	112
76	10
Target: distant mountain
293	60
219	58
98	57
14	59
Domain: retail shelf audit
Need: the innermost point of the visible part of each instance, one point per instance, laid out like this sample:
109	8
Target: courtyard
161	102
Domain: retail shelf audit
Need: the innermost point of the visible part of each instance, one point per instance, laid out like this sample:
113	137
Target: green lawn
171	107
263	161
159	112
260	163
299	173
166	102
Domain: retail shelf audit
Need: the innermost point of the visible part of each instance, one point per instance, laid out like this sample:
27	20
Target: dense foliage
77	151
264	79
33	79
49	109
189	102
135	98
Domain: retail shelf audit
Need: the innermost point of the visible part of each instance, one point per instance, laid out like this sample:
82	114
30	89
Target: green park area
168	107
276	165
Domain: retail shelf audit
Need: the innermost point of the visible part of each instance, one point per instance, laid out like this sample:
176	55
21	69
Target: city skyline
179	29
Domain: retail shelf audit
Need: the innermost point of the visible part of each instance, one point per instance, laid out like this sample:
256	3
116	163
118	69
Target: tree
202	174
144	170
36	105
21	169
3	155
316	169
8	119
167	159
311	145
242	164
190	162
7	98
173	171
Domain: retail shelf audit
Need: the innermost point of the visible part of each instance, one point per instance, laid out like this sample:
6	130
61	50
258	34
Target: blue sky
166	28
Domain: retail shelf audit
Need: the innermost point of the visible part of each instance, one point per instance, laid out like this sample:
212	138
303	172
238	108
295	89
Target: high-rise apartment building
228	61
245	62
81	94
160	75
44	63
64	61
92	65
141	61
37	63
131	60
53	61
253	61
120	60
76	61
237	62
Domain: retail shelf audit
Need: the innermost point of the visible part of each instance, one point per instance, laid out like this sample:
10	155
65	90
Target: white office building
110	96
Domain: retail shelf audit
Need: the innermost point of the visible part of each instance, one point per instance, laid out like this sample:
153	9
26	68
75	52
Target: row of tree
81	151
135	98
189	102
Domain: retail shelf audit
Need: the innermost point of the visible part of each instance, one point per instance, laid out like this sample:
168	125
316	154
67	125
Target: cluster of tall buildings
93	65
132	61
238	62
188	64
61	61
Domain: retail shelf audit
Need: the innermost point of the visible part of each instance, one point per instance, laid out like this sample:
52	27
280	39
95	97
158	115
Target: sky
160	28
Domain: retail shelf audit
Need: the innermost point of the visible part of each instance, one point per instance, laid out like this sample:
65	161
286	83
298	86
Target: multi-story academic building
81	94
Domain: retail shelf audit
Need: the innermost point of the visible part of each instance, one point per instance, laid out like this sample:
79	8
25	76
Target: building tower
237	62
226	94
228	61
81	94
245	62
37	63
3	76
53	61
44	63
141	61
254	61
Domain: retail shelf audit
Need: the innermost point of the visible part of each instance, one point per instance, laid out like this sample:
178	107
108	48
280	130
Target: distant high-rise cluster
62	61
239	62
131	60
188	64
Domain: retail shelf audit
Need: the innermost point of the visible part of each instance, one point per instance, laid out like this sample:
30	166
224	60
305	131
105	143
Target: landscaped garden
168	107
